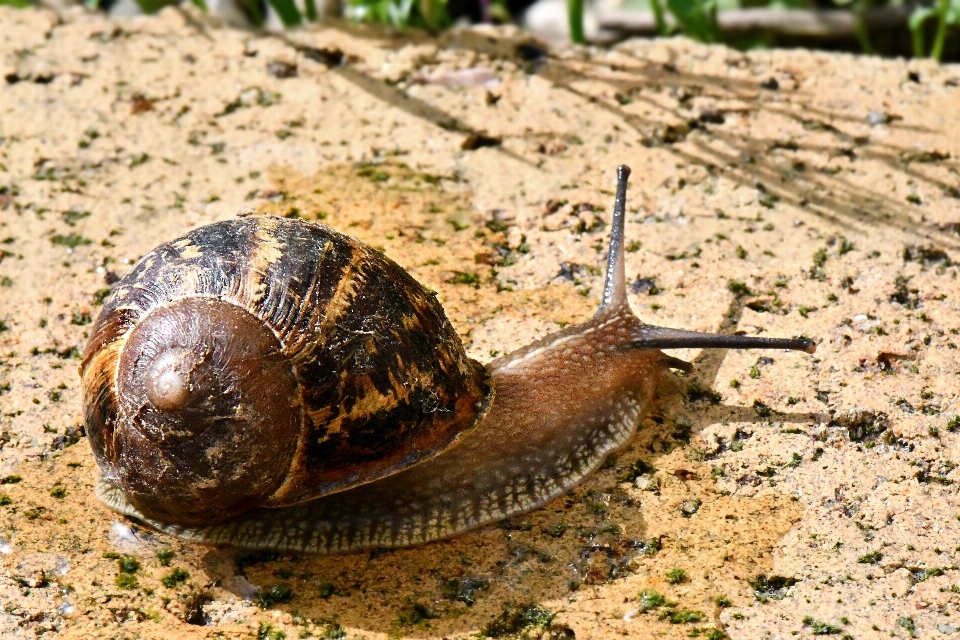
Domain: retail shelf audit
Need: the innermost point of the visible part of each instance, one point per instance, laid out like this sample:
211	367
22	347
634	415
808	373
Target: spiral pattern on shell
266	362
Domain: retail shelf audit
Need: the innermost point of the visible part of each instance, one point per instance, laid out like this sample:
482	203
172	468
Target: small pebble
690	507
62	566
644	483
515	238
282	70
122	532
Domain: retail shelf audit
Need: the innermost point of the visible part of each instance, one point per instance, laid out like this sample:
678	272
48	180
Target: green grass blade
917	18
697	18
860	28
658	18
943	10
575	18
288	12
399	13
253	11
151	7
434	14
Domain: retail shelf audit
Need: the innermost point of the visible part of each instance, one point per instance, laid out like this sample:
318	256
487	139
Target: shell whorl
170	380
210	410
379	375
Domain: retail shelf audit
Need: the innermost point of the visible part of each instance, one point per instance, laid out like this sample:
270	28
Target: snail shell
274	384
263	362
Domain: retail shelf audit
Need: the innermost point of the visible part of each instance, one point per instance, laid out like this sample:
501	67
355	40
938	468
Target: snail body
274	384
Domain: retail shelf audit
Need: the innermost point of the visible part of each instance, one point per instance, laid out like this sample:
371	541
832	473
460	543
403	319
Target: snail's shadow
484	580
701	410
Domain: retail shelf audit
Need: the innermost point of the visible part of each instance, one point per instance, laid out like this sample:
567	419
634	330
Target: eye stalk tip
807	345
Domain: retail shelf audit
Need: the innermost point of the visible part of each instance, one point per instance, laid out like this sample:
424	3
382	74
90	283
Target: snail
274	384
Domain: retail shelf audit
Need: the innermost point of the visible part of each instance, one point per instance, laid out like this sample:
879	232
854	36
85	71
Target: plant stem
713	27
658	18
937	52
917	40
256	15
575	16
862	36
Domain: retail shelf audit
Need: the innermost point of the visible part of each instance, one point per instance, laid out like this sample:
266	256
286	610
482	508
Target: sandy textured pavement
770	495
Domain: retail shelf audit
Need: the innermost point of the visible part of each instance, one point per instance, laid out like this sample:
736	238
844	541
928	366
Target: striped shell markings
266	362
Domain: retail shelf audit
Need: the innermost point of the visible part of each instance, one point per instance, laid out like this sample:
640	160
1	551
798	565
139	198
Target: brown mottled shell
313	364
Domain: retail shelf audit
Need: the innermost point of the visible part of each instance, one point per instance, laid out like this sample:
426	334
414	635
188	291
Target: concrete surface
781	192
